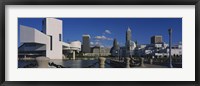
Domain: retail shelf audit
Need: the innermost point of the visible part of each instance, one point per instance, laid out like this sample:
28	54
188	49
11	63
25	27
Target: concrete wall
32	35
27	34
54	28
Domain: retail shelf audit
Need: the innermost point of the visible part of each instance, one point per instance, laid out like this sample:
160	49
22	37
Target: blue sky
104	30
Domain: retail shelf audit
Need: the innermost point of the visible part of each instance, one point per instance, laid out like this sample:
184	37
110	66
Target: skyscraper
128	38
115	45
128	34
115	49
156	39
86	44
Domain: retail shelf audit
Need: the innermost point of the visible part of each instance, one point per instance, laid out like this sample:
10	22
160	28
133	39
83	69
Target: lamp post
118	54
131	50
99	50
170	47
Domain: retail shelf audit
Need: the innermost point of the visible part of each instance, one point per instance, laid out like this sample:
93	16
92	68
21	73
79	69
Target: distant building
115	45
130	45
157	50
75	45
128	38
115	49
128	34
98	51
86	44
124	51
156	39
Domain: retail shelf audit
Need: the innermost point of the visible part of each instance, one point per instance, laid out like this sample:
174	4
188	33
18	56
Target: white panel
26	34
54	28
41	37
29	34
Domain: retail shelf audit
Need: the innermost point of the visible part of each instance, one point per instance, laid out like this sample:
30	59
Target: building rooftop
87	35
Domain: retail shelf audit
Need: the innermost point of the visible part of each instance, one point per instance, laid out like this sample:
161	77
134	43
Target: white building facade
53	28
158	50
48	42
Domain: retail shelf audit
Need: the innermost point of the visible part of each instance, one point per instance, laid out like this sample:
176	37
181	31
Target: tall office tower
86	44
128	34
128	38
115	49
156	39
115	45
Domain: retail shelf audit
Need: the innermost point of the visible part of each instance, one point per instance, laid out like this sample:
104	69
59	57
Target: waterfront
42	47
95	63
68	63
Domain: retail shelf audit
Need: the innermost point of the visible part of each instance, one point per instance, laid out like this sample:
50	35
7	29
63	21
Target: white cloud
108	31
96	43
92	43
102	46
99	44
102	38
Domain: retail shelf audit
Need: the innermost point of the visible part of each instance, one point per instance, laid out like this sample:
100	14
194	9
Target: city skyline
104	30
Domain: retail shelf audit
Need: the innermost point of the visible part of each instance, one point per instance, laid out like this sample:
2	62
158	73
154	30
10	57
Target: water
25	63
69	63
82	64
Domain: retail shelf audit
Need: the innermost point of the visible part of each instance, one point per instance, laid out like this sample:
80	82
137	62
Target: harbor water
66	63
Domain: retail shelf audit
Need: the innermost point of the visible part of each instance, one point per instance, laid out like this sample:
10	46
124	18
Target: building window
60	37
51	42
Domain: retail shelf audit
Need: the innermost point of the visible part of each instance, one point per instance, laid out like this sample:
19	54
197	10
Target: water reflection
68	63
